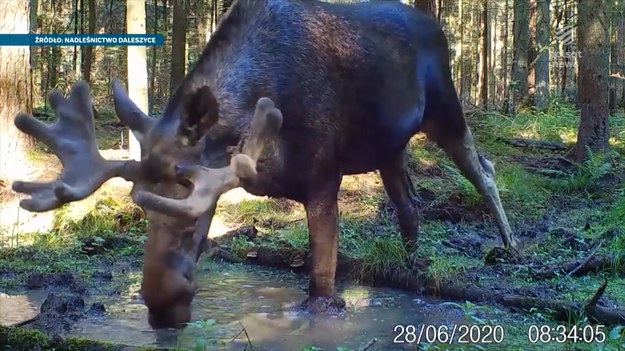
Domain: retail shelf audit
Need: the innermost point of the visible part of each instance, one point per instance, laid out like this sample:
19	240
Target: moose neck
224	67
219	65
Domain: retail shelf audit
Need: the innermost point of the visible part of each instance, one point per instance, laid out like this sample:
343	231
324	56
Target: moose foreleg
323	229
401	192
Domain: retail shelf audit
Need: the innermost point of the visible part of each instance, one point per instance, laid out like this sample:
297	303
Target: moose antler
209	184
72	138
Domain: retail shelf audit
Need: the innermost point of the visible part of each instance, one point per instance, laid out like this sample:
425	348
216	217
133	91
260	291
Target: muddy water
17	308
260	301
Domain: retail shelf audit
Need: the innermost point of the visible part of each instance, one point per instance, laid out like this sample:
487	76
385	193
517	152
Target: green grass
380	254
557	122
111	223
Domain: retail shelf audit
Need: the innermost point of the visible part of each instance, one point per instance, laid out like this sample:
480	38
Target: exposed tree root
416	280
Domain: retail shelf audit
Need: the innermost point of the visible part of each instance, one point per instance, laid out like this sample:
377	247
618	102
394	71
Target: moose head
177	193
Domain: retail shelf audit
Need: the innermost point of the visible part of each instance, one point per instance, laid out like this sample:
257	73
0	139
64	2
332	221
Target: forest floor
570	219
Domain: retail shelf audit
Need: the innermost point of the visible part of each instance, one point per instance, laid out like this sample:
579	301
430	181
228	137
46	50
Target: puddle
18	308
260	300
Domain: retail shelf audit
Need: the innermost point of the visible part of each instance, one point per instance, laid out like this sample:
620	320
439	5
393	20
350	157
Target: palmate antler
209	184
72	138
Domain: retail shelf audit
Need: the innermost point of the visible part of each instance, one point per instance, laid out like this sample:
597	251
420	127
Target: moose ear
200	114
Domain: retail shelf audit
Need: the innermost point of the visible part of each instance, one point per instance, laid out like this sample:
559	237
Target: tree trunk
137	67
35	72
201	23
474	42
152	92
520	92
213	24
439	12
178	44
225	5
427	6
55	51
460	59
493	59
564	60
541	77
81	51
76	57
484	35
593	75
503	91
14	92
621	37
531	56
613	62
89	49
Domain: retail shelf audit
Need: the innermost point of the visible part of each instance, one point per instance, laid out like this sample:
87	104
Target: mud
452	210
38	280
58	313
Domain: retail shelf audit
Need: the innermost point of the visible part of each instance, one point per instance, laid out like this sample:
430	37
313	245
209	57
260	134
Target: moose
287	97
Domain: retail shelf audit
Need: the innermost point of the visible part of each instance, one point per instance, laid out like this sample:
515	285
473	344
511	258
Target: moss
23	339
78	344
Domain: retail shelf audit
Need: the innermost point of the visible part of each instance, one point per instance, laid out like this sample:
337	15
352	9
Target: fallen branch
26	322
538	144
585	262
576	268
565	310
597	295
547	172
368	345
249	342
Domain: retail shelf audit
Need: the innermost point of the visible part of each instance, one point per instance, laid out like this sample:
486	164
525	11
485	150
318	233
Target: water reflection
261	301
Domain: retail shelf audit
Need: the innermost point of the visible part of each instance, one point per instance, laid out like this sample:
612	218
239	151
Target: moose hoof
502	255
324	305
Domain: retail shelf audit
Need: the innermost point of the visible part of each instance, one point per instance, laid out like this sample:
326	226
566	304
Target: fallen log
417	281
577	268
537	144
567	311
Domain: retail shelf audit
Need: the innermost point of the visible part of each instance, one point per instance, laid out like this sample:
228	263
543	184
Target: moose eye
188	277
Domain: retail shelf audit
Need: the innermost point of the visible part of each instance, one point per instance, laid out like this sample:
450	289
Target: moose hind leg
481	173
401	192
